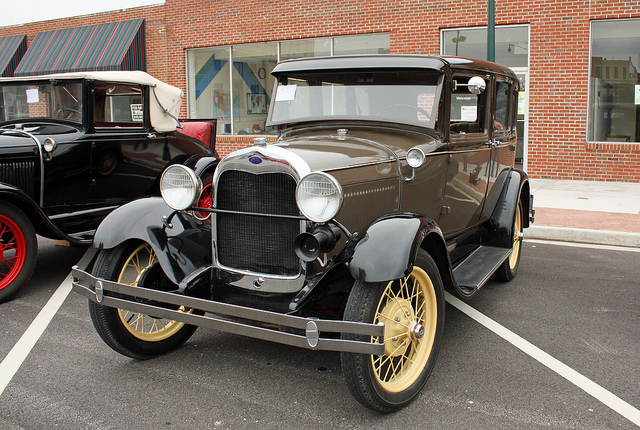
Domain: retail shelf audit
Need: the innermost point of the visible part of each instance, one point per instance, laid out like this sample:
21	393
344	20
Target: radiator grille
255	243
20	174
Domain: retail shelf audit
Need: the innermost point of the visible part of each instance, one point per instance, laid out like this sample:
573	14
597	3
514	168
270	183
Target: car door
126	156
470	150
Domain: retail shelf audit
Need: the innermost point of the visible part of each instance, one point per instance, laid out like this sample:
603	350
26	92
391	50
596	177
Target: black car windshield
59	100
397	96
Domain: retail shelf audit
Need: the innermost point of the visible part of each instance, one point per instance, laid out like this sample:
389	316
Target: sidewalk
606	213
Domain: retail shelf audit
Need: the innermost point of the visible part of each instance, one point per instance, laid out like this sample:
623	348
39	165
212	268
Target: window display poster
637	97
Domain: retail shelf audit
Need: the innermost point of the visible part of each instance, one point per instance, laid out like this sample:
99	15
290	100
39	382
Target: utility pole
491	31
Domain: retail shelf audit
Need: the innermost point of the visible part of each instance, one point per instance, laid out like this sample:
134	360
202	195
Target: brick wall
559	49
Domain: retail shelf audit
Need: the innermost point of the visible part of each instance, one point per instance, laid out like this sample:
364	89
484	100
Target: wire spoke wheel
412	310
142	326
130	333
508	270
18	250
408	308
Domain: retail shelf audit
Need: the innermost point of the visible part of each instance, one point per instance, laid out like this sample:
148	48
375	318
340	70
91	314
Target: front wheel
412	309
131	333
18	250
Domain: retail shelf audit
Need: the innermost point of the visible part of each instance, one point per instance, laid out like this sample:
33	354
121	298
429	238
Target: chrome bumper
102	291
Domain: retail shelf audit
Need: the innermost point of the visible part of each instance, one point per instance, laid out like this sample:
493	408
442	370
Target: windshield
41	100
398	96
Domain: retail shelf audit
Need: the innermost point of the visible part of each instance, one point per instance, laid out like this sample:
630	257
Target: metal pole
491	31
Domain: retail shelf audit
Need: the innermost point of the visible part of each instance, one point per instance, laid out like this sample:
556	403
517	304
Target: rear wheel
131	333
19	248
507	271
412	309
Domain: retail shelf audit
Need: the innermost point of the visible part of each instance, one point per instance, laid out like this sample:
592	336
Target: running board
475	270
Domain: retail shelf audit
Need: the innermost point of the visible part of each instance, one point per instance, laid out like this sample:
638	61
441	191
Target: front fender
181	248
388	247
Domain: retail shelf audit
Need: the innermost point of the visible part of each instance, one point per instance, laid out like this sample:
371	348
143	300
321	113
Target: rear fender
499	229
181	248
387	249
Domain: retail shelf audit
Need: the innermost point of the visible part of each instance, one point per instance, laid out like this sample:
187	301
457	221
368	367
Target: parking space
577	304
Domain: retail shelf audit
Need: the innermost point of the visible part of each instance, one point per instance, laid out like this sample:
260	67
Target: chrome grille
260	244
20	174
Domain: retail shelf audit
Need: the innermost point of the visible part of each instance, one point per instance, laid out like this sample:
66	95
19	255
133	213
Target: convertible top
164	107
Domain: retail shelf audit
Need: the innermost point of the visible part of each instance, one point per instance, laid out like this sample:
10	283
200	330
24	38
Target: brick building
578	62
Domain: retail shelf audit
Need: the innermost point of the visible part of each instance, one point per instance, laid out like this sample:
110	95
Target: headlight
319	196
180	187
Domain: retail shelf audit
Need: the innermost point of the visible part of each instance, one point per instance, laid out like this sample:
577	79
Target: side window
468	111
117	105
503	119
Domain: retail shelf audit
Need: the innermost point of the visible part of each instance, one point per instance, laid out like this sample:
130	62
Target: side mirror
476	85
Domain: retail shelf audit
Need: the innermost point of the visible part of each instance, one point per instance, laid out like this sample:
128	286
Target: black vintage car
75	146
392	179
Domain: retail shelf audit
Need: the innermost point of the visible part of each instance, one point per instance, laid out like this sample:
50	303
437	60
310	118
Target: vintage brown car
391	181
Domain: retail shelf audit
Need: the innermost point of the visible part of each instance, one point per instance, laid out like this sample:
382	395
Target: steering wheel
401	105
65	113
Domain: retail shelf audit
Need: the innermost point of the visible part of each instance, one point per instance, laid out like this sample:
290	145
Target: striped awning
110	46
12	49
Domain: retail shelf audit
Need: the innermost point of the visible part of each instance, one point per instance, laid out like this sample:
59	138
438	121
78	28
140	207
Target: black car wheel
131	333
507	271
412	309
19	248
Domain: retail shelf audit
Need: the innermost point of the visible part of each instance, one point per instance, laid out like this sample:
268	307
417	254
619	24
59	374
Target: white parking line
606	397
22	348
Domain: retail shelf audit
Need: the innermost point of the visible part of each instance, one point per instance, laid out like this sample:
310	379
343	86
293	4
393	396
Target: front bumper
272	326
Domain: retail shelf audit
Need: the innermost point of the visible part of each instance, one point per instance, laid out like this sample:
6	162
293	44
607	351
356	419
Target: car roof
163	106
389	61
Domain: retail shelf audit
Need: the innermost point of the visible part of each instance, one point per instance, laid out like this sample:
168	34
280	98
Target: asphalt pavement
604	213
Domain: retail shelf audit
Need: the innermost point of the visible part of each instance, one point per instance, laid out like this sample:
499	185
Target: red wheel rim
13	248
205	200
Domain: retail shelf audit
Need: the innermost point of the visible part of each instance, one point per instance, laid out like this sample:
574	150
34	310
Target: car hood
331	149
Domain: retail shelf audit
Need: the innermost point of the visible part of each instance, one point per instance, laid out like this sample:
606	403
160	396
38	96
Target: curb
584	235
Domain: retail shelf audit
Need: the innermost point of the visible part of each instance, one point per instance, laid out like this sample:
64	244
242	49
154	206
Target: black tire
508	270
19	250
130	333
389	382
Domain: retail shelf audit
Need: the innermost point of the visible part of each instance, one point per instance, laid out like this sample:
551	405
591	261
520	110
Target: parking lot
555	348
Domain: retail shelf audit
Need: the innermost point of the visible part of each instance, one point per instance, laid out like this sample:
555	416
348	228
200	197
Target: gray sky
23	11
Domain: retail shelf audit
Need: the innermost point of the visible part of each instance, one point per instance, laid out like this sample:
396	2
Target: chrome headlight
180	187
319	196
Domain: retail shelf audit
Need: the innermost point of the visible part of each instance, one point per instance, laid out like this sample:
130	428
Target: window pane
305	48
367	44
209	88
614	97
512	44
252	85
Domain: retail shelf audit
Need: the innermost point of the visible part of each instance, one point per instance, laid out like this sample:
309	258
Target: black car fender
387	249
499	229
181	242
39	220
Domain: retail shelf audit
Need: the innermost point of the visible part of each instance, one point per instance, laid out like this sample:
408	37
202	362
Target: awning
110	46
12	49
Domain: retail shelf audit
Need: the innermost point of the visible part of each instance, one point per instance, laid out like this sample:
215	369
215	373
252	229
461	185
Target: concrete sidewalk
606	213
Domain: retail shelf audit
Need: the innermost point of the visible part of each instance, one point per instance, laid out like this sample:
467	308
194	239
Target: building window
614	100
234	83
512	44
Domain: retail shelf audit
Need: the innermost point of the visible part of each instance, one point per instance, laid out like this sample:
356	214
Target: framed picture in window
256	103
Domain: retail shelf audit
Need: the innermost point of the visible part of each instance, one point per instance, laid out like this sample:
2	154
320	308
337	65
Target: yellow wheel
131	333
509	268
412	310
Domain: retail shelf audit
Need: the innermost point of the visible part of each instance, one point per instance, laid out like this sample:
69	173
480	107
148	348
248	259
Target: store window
614	96
234	83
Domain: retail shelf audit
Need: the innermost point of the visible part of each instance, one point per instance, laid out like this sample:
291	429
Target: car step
475	270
